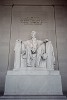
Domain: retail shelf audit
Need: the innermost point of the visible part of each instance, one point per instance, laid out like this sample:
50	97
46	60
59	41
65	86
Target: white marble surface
32	71
19	83
34	53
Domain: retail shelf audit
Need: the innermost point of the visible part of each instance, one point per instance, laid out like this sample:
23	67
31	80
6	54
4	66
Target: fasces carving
34	53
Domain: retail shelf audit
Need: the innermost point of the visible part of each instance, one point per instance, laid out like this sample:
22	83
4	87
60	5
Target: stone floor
33	97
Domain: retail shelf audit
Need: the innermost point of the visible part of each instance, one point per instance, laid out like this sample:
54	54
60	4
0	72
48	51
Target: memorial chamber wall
18	18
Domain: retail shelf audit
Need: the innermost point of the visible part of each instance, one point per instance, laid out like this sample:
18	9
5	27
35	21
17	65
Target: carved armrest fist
24	54
44	56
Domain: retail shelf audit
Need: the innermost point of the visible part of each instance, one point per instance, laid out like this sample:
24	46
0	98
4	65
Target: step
33	97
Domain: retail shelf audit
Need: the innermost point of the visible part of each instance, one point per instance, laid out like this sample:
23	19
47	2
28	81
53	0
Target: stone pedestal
33	81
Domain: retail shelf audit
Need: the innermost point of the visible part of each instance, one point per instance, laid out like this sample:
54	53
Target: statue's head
33	34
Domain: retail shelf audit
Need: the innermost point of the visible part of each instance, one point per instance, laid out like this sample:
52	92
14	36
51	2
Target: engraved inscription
31	21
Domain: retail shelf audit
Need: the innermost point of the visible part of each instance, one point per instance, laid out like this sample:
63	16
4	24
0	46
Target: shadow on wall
35	2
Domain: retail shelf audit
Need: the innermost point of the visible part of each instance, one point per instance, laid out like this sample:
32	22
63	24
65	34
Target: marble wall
23	24
52	16
61	31
5	13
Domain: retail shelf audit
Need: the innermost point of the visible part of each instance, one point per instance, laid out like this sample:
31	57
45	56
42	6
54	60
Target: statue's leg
33	60
38	57
28	56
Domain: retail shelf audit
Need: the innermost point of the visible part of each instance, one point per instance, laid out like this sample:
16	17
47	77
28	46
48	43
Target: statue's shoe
29	66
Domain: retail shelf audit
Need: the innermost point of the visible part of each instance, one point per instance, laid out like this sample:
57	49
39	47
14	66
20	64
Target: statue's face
33	33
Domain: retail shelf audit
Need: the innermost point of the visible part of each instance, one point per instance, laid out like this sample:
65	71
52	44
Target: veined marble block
33	81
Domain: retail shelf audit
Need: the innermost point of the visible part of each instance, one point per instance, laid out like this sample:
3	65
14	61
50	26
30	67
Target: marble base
30	82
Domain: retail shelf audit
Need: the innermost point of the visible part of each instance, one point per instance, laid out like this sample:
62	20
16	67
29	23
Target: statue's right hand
23	52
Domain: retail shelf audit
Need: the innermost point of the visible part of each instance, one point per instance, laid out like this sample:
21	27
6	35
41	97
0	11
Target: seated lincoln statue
33	72
34	53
